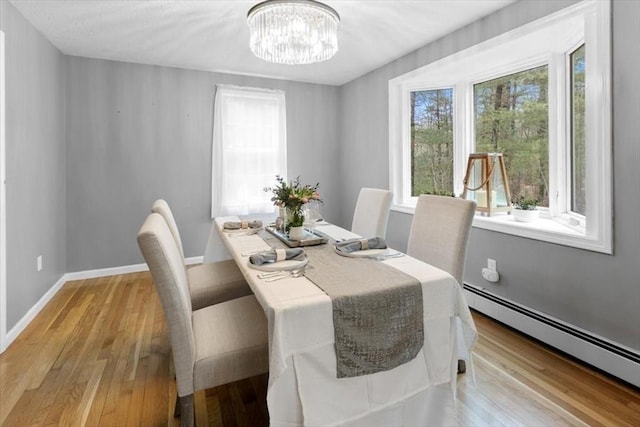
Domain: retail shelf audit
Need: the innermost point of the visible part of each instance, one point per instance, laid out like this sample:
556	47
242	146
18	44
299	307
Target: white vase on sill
296	233
525	215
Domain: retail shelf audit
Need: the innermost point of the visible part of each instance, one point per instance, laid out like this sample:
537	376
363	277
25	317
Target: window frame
587	22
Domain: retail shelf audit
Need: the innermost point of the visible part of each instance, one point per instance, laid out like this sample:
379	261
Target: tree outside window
432	142
578	148
512	118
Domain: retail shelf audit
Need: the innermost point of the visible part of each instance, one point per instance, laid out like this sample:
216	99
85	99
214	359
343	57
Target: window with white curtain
249	149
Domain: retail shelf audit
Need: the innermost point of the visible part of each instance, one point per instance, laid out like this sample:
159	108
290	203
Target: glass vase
281	220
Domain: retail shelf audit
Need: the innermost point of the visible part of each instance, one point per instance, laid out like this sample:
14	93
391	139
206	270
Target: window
577	111
511	116
540	95
432	141
249	149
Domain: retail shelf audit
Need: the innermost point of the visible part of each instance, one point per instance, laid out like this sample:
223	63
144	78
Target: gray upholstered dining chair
209	283
439	235
440	232
372	212
215	345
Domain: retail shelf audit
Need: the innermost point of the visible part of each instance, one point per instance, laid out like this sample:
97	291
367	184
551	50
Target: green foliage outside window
578	147
512	118
432	142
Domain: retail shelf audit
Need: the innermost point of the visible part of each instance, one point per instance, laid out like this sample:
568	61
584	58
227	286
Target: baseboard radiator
606	355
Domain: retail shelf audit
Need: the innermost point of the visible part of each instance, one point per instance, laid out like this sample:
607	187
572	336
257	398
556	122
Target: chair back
440	232
169	276
162	207
371	213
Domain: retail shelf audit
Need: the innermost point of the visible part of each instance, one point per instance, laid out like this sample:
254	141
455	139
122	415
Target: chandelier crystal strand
293	32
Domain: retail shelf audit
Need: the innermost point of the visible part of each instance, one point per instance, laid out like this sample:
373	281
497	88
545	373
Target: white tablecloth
303	388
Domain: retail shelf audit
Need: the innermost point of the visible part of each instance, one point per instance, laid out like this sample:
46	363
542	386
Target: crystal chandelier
293	31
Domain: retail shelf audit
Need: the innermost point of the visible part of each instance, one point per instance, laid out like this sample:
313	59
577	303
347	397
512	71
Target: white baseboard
194	260
77	275
103	272
125	269
33	312
609	356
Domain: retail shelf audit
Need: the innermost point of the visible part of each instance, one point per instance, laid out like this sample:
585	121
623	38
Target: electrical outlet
492	264
490	275
39	263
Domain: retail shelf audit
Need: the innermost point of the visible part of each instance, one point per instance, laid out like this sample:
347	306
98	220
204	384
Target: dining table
305	386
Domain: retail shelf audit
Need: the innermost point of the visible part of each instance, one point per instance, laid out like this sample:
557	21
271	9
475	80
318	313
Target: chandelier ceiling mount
293	31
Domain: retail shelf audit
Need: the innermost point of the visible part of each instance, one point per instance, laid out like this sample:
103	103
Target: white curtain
249	149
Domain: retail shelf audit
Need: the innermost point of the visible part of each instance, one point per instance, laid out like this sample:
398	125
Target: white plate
368	253
288	264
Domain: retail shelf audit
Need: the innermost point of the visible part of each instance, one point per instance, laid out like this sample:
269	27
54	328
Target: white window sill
543	229
506	223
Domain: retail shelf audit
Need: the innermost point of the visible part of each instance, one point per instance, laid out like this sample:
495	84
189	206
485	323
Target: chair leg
462	366
187	415
176	409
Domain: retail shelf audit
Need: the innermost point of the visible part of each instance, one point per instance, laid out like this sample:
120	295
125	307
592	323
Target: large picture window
511	116
540	95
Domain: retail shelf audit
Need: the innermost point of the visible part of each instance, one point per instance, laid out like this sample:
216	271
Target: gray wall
35	138
599	293
136	133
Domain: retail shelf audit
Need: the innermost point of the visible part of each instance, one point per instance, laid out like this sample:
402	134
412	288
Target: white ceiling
212	35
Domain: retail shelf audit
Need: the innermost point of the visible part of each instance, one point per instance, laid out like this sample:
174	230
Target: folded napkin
353	245
275	255
237	225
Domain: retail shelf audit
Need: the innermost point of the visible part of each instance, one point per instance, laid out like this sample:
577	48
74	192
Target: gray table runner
377	310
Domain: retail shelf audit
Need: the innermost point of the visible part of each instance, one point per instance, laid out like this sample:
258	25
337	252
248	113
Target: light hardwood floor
98	355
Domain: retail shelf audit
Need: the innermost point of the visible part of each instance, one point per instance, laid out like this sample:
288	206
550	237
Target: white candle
481	198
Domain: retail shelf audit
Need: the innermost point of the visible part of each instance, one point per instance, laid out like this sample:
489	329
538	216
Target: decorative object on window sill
488	187
293	31
292	196
525	210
